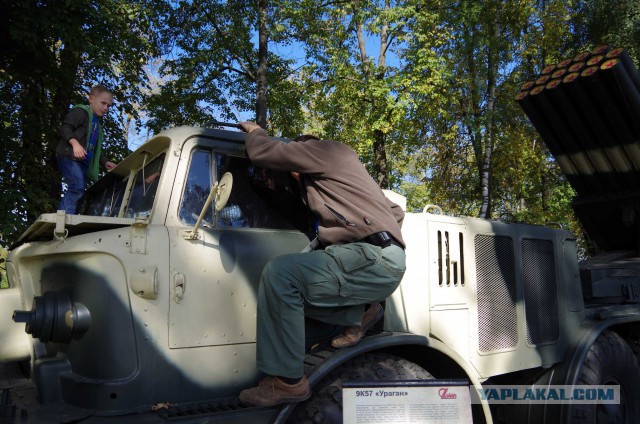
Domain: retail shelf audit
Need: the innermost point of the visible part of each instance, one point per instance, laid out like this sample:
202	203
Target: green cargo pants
331	285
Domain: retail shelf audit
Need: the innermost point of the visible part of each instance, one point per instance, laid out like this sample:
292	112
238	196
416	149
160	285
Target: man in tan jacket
362	262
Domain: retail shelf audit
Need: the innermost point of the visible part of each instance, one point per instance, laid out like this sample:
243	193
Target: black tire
610	361
325	405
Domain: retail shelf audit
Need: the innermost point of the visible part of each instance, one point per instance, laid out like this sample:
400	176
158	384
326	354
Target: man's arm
71	131
305	157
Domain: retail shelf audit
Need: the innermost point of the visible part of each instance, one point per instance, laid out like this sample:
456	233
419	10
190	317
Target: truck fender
320	363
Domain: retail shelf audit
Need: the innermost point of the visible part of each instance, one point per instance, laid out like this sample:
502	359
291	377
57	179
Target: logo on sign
444	394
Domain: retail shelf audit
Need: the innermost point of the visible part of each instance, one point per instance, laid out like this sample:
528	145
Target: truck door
215	276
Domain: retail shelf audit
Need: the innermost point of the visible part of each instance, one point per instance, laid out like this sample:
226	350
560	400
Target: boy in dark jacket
79	152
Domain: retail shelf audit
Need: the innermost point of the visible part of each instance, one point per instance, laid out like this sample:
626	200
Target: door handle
179	285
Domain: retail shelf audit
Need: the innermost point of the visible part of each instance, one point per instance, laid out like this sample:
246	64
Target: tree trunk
61	100
485	173
380	167
380	163
263	38
34	172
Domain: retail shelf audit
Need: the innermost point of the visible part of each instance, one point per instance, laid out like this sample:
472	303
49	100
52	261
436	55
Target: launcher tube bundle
587	111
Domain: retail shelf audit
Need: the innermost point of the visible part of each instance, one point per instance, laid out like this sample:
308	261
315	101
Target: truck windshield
105	197
145	187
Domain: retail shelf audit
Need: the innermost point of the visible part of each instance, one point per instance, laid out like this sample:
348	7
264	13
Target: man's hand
248	126
109	165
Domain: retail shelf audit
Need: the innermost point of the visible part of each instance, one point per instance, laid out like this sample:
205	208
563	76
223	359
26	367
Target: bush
4	282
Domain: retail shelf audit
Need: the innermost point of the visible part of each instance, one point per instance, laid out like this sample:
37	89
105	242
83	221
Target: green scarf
94	165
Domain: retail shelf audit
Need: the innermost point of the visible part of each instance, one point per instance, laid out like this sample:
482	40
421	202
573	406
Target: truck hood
50	226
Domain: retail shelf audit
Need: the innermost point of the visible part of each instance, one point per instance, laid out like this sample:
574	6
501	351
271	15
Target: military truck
142	307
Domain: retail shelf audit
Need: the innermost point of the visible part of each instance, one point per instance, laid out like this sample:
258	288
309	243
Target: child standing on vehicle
79	152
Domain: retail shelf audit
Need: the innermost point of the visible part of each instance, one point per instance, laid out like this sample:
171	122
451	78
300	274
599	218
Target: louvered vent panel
495	272
540	291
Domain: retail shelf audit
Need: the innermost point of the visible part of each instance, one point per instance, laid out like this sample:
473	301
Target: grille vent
540	293
495	269
450	266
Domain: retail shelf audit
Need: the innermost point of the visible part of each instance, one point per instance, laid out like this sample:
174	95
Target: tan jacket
339	190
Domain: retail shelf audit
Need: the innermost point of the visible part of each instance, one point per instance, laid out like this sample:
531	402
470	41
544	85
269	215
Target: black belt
382	239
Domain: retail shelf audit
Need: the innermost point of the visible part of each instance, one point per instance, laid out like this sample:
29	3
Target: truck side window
261	198
197	188
144	189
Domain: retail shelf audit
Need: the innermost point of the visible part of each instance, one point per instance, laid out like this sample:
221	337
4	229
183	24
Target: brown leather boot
352	335
273	391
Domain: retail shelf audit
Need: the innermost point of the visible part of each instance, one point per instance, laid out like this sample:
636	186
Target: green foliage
212	71
613	22
355	87
481	150
4	282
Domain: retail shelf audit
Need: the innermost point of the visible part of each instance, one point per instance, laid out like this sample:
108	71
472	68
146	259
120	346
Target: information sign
399	402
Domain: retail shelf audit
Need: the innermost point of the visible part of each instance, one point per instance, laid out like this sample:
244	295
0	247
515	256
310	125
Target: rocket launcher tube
618	80
527	86
581	57
559	73
618	133
543	79
589	109
551	139
547	69
601	49
564	63
577	67
595	60
582	135
623	56
566	139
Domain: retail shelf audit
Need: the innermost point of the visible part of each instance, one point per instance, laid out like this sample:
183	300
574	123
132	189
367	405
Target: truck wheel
325	405
610	361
